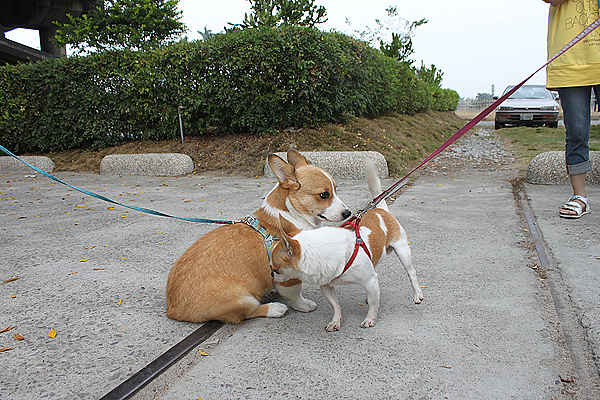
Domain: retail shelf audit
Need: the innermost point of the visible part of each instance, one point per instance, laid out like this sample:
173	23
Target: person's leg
575	103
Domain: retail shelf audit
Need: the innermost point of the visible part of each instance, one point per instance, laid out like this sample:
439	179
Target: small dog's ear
284	172
287	227
296	159
286	231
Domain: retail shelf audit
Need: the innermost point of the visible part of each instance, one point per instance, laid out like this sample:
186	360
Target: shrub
251	80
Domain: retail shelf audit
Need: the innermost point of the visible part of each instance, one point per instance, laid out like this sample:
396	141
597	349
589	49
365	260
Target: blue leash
203	220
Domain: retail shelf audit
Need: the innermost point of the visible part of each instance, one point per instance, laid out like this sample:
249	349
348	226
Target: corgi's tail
374	182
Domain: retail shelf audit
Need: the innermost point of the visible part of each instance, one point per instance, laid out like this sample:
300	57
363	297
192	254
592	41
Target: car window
531	92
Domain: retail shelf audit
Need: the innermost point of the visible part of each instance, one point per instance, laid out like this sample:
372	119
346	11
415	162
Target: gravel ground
479	149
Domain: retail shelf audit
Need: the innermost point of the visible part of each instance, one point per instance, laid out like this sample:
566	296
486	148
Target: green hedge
251	80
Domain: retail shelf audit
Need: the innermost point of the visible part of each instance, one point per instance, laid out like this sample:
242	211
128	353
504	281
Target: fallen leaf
99	269
568	379
91	247
11	279
124	258
120	302
110	208
79	205
203	353
423	287
445	366
18	337
7	329
5	349
52	333
72	273
84	260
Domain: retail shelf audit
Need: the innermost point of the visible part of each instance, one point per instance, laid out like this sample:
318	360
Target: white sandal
572	205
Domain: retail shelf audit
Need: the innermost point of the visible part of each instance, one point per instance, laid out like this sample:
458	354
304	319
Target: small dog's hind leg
402	250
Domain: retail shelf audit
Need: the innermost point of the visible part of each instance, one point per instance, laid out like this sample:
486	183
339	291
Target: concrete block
12	165
549	169
152	164
341	164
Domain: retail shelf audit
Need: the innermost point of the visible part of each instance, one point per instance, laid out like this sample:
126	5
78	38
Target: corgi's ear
296	159
284	172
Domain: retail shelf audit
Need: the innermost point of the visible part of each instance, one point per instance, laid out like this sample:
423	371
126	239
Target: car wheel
498	125
553	125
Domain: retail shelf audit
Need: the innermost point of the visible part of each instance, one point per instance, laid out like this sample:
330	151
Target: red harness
359	242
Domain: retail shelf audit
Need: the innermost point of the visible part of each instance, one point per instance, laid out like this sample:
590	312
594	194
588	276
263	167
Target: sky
476	43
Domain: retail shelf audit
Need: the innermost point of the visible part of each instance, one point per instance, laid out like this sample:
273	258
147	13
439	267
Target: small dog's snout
346	213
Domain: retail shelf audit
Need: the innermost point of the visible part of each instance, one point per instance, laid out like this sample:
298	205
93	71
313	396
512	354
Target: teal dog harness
269	239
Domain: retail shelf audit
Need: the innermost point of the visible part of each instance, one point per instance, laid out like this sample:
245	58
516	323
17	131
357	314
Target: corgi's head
309	193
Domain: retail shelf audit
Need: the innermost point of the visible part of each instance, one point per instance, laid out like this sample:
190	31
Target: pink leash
392	189
387	193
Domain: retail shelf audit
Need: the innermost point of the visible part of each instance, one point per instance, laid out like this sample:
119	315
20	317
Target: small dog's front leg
336	322
372	288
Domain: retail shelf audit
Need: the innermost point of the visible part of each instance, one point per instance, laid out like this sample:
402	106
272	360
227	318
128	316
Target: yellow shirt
580	65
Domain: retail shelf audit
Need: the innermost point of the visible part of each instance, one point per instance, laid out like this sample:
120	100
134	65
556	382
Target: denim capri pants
575	102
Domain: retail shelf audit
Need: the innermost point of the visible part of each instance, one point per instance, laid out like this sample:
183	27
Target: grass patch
530	141
403	140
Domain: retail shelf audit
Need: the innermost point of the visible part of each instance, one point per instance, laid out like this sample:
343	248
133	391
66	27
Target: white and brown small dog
225	273
320	256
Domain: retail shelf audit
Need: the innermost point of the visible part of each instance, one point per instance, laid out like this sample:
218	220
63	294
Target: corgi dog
225	273
323	256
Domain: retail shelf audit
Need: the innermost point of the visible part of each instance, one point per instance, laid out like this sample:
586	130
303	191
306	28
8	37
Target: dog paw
368	323
304	305
333	326
276	310
418	298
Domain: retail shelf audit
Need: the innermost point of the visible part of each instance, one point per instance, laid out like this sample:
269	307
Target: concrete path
488	327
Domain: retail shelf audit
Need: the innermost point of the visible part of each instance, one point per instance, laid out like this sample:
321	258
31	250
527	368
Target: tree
484	97
123	24
206	34
272	13
431	75
400	30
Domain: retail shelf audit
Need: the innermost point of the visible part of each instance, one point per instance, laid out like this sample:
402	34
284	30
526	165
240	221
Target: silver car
530	105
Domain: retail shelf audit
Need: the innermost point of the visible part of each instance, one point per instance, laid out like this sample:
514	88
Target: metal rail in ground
144	376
